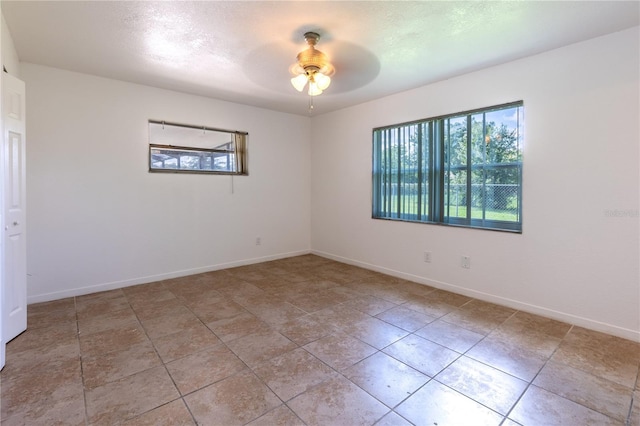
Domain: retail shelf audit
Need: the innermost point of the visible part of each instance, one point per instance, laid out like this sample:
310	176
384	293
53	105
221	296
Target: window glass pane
393	188
409	170
468	165
163	157
184	148
502	194
400	173
224	162
456	141
478	139
456	194
424	147
502	136
477	193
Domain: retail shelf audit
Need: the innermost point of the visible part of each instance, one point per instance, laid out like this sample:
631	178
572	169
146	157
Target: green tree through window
463	169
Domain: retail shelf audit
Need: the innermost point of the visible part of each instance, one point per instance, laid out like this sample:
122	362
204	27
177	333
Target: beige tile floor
306	340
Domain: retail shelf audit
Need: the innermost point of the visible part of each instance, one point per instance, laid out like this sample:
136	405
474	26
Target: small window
180	148
462	169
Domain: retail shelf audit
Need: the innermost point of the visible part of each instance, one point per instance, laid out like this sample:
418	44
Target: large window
196	149
462	169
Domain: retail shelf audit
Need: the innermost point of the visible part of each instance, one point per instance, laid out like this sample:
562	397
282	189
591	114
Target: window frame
438	171
238	140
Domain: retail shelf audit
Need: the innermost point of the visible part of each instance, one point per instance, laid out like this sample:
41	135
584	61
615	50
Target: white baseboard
46	297
515	304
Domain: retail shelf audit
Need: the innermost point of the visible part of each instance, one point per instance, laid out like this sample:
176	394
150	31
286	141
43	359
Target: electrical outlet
427	257
258	241
465	262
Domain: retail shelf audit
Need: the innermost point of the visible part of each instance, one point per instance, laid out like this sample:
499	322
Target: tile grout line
547	390
430	378
84	393
338	372
141	371
164	365
633	397
341	373
464	354
222	342
530	383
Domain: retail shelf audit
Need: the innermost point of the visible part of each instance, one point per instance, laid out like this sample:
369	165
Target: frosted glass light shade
314	90
323	81
299	82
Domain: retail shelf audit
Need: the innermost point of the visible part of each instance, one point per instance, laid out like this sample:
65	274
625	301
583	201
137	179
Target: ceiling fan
312	67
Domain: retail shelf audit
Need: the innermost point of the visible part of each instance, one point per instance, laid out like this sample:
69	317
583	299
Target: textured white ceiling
241	50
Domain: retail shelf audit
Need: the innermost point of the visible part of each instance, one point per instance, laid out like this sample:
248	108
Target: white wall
9	56
581	159
97	219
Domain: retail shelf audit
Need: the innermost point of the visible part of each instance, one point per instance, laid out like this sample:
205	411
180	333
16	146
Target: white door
14	250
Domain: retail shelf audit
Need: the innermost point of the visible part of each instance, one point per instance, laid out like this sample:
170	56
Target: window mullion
430	173
377	173
436	130
399	179
519	161
403	162
484	164
390	175
469	151
383	173
419	143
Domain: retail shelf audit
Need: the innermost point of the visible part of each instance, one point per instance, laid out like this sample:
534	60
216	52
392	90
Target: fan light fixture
312	67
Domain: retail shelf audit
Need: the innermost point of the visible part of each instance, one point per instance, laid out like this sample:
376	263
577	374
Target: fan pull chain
310	104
